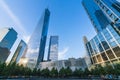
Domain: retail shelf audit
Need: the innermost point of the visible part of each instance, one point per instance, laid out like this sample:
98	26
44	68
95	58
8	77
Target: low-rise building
71	62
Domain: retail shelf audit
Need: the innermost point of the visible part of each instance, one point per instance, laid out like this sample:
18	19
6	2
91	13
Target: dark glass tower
37	42
53	49
8	37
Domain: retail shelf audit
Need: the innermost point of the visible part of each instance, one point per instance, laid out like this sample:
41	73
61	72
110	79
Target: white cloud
12	16
62	54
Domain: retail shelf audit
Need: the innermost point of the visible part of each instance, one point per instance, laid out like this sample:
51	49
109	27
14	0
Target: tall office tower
111	8
21	49
8	37
105	46
53	49
95	14
37	42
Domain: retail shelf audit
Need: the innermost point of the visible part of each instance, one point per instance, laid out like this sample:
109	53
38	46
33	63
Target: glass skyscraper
21	49
95	14
53	49
8	37
105	46
37	42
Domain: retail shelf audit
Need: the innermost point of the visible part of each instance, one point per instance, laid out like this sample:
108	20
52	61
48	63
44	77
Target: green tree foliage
38	72
34	72
117	69
68	72
45	72
54	73
98	70
87	72
109	69
78	73
62	72
2	68
14	69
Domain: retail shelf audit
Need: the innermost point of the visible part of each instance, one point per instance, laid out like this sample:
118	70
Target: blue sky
68	20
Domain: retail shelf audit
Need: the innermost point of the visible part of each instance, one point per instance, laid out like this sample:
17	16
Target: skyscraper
21	49
8	37
105	46
53	49
95	14
37	42
111	8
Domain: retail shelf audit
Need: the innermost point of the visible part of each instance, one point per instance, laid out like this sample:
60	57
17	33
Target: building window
108	12
105	9
99	58
118	41
118	26
104	56
116	6
117	51
110	54
113	17
94	59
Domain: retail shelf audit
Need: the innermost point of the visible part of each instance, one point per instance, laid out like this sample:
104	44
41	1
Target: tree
87	72
54	73
117	69
2	69
78	73
68	72
109	69
11	69
39	72
45	72
62	72
27	71
98	70
34	72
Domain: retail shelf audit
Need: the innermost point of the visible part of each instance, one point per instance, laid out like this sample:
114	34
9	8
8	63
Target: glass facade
37	42
53	49
111	8
95	15
19	52
8	37
105	46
